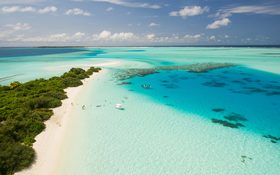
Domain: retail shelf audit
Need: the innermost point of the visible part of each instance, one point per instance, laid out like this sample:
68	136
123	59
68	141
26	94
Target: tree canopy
23	109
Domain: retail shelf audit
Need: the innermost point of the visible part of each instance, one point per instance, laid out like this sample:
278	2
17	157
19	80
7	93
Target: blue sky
139	22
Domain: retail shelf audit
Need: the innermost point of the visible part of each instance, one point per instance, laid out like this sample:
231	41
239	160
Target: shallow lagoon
168	128
157	134
237	90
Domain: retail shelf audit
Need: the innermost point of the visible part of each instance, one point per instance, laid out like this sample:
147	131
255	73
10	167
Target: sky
139	22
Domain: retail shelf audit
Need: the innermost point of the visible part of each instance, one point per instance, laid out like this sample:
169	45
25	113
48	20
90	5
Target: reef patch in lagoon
196	68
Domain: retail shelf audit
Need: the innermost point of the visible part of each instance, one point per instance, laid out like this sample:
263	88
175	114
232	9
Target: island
24	107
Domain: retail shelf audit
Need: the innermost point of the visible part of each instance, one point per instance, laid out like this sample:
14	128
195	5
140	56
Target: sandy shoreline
48	143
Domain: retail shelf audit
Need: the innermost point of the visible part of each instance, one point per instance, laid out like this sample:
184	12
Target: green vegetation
23	109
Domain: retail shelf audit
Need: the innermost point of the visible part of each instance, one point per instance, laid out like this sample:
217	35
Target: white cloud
18	26
104	35
107	35
10	32
219	23
28	9
130	4
251	9
224	14
11	9
16	38
122	36
48	9
104	38
59	37
79	35
151	36
254	9
2	2
14	9
189	11
77	11
152	24
196	36
109	9
212	37
174	38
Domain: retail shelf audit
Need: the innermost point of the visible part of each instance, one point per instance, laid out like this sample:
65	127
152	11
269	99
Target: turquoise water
255	95
20	52
28	63
173	135
23	64
169	128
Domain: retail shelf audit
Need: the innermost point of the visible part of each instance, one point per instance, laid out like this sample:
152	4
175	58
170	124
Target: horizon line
69	46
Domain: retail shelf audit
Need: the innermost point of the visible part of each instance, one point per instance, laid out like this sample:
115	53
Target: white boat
146	86
119	106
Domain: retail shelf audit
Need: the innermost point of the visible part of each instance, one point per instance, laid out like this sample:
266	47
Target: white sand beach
48	143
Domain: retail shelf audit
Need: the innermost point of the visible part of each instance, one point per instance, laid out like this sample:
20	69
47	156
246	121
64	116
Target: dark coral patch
170	86
273	141
227	124
238	81
254	89
164	81
225	72
248	79
245	158
246	74
273	93
240	92
218	109
184	78
195	68
124	83
272	138
272	86
214	83
223	77
235	117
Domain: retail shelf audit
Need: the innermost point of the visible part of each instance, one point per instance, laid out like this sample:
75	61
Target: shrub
71	82
23	109
15	84
44	102
15	157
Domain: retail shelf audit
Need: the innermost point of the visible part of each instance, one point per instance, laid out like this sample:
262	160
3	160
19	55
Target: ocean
222	121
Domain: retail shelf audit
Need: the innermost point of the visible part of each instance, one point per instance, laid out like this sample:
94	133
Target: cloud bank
224	14
27	9
130	4
189	11
77	12
219	23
